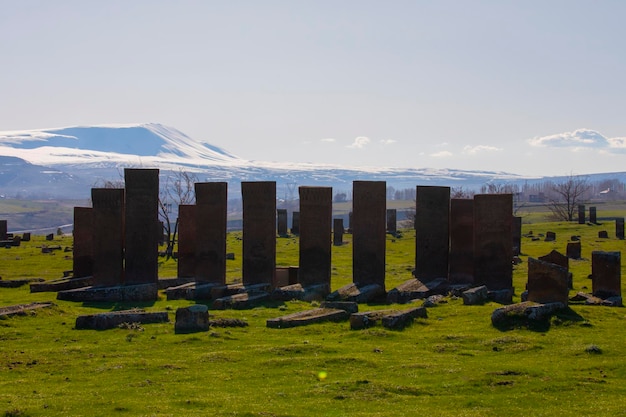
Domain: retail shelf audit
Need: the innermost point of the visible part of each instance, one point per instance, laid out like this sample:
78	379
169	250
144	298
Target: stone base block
165	283
401	319
305	318
16	283
359	321
240	301
103	321
141	292
352	292
476	296
297	292
61	284
502	296
527	313
232	289
191	291
347	306
192	319
415	289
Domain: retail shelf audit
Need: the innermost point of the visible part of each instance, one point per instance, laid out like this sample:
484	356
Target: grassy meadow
452	363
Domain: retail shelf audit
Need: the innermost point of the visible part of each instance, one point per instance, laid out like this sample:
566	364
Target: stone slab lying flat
347	306
232	289
359	321
141	292
192	319
298	292
401	319
62	284
110	320
305	318
352	292
525	312
22	309
414	289
165	283
16	283
476	296
240	301
191	291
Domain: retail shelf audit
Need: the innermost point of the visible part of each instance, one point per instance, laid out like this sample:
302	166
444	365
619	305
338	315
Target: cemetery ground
452	363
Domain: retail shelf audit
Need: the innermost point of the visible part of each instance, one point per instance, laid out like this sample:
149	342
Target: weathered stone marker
368	229
461	261
83	242
315	245
517	235
619	228
108	236
492	241
3	230
210	254
259	232
295	222
338	232
192	319
574	250
186	241
141	220
547	282
581	214
282	222
606	274
593	215
392	224
432	230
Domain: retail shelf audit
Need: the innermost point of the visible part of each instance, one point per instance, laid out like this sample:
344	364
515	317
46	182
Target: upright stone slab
619	228
517	235
593	215
295	222
83	242
282	222
392	224
259	232
547	282
211	208
3	230
142	218
581	214
461	262
492	241
606	274
338	232
368	230
574	250
186	241
432	232
316	209
108	236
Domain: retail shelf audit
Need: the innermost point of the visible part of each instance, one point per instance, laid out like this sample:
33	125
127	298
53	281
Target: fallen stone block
415	289
476	296
504	296
22	309
141	292
297	292
347	306
240	301
524	313
232	289
62	284
165	283
367	319
192	319
16	283
401	319
305	318
113	319
352	292
191	291
434	301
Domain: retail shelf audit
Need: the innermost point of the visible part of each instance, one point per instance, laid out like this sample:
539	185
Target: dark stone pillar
606	274
108	236
368	230
142	218
392	225
350	222
338	232
3	230
619	228
211	208
432	232
593	215
547	282
83	242
461	262
492	241
581	214
186	241
516	231
295	222
259	232
282	222
316	208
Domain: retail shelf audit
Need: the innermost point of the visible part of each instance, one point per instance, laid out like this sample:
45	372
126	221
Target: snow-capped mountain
70	160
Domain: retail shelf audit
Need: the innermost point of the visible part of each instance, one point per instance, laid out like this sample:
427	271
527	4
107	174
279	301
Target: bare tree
567	195
178	189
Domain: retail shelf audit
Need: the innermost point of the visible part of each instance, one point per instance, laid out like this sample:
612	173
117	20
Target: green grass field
452	363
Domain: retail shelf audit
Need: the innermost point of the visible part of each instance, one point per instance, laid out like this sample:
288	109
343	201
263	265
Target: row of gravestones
9	240
619	221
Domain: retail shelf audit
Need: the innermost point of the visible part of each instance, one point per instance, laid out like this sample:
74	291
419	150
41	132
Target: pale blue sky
493	85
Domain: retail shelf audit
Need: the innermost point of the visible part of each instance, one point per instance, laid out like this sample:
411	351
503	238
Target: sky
526	87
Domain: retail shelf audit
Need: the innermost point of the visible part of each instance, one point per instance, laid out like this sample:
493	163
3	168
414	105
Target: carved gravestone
315	247
282	222
461	262
259	232
557	258
186	241
593	215
141	220
295	222
210	254
619	228
26	237
83	242
606	274
368	229
603	234
547	282
392	224
574	250
338	232
581	214
492	241
3	230
49	236
108	236
517	235
432	232
550	237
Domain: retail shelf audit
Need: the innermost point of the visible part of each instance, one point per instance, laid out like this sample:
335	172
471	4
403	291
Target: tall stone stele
186	241
461	260
108	236
210	222
432	232
259	232
606	277
315	236
82	259
3	230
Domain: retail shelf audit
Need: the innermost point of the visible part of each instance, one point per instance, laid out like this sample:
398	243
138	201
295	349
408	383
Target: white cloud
387	141
442	154
359	142
473	150
580	137
617	143
327	140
